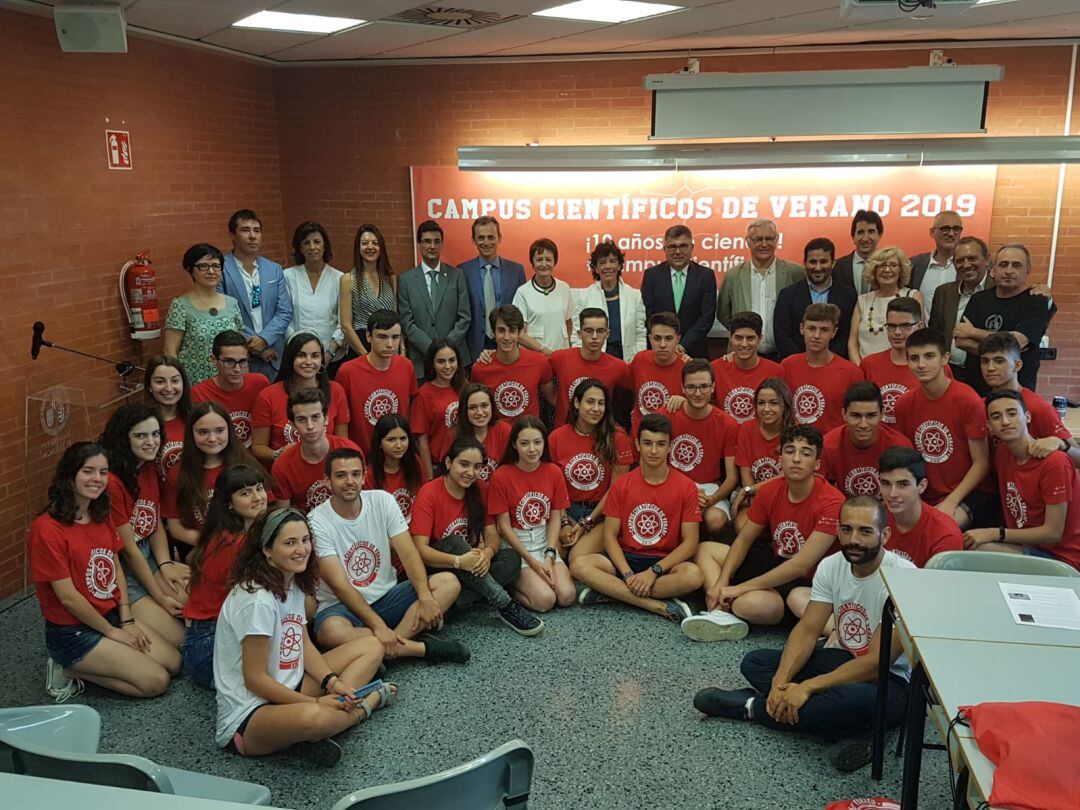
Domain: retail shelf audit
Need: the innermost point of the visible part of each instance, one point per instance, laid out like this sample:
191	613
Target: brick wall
211	134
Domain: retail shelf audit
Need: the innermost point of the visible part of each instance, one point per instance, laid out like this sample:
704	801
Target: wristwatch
550	552
657	569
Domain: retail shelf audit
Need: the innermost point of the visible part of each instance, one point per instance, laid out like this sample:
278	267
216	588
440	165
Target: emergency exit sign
118	149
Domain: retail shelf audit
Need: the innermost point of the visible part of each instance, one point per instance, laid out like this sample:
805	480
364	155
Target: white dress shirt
958	356
250	280
763	302
936	275
315	311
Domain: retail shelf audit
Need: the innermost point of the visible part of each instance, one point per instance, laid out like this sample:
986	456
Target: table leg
960	798
884	657
915	728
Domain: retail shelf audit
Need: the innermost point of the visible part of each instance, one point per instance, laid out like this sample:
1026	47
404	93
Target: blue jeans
839	712
391	607
197	651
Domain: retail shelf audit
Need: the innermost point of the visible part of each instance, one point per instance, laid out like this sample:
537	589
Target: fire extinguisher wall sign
118	149
138	291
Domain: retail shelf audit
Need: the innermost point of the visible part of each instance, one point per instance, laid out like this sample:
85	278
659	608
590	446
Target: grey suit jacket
734	295
919	263
946	303
424	320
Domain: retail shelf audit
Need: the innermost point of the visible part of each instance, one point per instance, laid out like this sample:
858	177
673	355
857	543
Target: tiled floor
603	697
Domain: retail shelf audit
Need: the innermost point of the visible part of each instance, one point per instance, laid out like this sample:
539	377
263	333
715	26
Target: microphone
37	342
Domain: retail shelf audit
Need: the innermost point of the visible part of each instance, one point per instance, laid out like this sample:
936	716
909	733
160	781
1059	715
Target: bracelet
326	680
167	562
457	562
587	523
126	622
626	576
566	522
123	604
1001	535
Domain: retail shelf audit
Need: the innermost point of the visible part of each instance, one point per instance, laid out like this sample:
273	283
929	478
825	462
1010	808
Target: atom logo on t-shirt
652	397
289	434
404	500
686	452
144	518
512	398
317	493
648	524
292	641
450	415
457	526
379	403
890	392
533	510
862	481
362	563
1015	504
570	389
853	628
809	404
585	471
739	403
487	470
764	468
241	422
170	454
934	440
101	573
788	538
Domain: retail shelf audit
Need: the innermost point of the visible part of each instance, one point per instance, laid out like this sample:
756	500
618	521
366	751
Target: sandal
387	692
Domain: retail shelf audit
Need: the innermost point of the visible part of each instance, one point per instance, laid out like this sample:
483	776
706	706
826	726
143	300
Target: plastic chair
60	742
995	563
500	778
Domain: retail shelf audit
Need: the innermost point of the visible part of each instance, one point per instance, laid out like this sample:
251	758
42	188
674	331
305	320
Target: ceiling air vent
462	19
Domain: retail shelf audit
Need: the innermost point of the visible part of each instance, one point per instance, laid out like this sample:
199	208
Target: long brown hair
782	390
252	570
510	454
382	264
220	517
191	487
183	406
464	426
603	435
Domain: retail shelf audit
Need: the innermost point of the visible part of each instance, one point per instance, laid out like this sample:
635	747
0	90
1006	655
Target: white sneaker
716	625
60	686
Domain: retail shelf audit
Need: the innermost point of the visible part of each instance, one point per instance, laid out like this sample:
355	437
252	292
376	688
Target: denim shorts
135	589
197	651
581	509
391	607
1037	551
68	644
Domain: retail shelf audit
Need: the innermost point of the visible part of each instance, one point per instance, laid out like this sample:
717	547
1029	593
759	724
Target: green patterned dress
200	328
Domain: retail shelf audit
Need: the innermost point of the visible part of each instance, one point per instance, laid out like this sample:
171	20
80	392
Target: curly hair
62	504
116	440
252	570
881	256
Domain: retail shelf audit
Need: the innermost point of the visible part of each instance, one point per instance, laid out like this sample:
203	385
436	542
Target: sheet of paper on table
1041	606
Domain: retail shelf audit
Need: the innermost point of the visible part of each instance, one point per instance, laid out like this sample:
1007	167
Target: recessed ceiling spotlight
608	11
297	23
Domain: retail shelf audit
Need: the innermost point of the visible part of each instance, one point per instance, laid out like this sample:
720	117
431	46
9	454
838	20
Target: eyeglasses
697	389
678	246
950	228
761	240
230	362
889	265
208	267
899	327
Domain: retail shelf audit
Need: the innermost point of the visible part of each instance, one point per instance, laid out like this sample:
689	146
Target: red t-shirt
239	403
571	368
651	515
756	453
1044	423
437	514
272	411
653	385
85	553
934	532
528	497
142	514
587	477
395	484
300	481
372	393
1026	490
735	388
894	380
700	446
818	392
207	597
792	523
169	506
940	429
498	436
855	471
172	445
516	386
434	413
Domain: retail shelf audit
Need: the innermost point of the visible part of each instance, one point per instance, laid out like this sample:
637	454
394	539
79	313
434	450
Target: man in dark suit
684	287
930	270
433	299
866	232
492	281
972	260
820	287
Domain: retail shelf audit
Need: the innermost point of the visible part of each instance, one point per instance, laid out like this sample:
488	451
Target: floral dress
200	327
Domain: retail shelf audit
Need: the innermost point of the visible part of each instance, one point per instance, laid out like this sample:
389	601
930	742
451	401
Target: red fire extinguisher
138	291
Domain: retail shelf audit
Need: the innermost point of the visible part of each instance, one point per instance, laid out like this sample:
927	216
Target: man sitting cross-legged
748	581
651	524
829	692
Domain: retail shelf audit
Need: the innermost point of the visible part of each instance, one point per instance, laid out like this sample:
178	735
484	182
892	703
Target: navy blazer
511	275
276	303
791	305
697	312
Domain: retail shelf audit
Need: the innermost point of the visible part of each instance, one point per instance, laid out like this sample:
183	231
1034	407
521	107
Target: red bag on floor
1035	747
880	803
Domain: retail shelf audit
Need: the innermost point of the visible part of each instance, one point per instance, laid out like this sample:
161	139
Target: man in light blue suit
492	280
259	285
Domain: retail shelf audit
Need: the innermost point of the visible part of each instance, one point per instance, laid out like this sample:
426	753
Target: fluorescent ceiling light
992	2
608	11
304	23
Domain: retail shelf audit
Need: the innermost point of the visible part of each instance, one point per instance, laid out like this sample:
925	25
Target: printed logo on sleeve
362	563
853	628
934	440
512	398
291	648
584	472
101	573
533	510
648	524
686	452
809	404
379	403
739	403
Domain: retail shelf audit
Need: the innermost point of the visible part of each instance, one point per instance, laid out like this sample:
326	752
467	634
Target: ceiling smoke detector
445	17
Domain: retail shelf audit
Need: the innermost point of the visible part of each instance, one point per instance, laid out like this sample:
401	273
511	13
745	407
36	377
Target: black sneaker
520	620
729	703
326	753
847	756
676	610
589	596
439	650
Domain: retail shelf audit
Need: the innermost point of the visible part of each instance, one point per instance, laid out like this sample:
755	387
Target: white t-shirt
246	614
856	603
362	545
546	315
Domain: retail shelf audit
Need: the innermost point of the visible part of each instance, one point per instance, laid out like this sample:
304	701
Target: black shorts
760	559
640	562
983	508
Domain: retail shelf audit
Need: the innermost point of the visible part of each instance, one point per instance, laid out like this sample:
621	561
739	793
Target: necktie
677	281
490	302
433	284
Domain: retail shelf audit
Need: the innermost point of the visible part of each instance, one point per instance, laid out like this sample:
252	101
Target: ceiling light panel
296	23
607	11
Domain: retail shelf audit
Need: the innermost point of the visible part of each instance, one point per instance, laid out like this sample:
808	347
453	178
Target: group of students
211	526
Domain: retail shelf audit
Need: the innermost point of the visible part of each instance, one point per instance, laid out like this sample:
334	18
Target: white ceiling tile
258	42
496	38
367	40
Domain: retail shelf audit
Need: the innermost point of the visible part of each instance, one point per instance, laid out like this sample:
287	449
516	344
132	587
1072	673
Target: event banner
580	209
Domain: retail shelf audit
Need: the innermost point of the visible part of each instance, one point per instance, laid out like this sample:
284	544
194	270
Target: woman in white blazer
626	311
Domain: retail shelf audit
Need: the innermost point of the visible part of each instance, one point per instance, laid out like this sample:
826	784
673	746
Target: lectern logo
54	416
